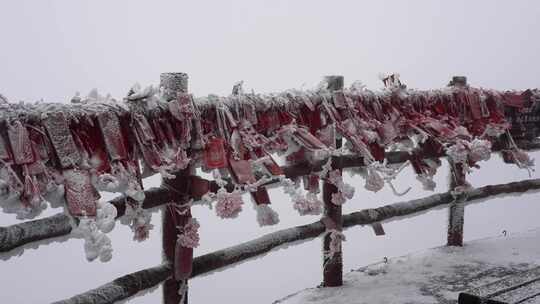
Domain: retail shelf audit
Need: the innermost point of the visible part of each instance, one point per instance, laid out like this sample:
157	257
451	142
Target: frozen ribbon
374	181
96	243
480	150
106	216
345	191
336	237
458	152
139	220
308	205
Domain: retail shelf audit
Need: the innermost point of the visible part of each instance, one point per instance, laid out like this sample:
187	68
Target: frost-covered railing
66	153
128	285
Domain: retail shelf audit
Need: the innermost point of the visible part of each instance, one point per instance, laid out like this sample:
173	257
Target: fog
51	49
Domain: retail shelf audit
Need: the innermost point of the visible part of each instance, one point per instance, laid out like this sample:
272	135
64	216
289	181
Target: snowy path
432	276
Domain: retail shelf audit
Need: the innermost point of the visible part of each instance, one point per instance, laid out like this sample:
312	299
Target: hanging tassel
308	205
266	216
228	205
374	181
189	236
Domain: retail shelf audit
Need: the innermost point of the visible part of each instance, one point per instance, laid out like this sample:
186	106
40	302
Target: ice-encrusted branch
128	285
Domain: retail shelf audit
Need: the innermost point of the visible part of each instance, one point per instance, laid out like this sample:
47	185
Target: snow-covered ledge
130	284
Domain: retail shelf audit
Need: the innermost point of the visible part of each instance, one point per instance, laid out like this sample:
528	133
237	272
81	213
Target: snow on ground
432	276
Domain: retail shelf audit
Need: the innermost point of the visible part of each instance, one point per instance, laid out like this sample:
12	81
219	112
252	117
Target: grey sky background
51	49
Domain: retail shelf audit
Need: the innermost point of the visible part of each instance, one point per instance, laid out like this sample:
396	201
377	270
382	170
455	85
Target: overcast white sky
51	49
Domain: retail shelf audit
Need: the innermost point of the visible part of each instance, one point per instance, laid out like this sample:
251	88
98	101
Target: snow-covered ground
431	276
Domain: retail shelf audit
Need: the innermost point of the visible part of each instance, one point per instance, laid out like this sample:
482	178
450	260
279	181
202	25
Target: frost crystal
266	216
309	204
189	236
228	205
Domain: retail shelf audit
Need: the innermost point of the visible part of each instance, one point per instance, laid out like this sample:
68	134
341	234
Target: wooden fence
13	238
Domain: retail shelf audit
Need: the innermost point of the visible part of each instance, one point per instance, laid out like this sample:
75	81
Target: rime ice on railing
51	152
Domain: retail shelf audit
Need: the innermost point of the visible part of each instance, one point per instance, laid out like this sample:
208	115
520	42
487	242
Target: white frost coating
374	181
189	234
336	238
96	243
480	150
139	220
308	205
265	215
106	215
228	205
430	276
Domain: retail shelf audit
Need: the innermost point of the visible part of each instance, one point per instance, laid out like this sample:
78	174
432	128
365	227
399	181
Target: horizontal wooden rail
130	284
14	236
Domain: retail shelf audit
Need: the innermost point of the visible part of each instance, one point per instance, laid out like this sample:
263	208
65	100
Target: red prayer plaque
183	262
340	101
112	135
311	183
151	156
474	103
146	133
60	135
214	154
80	194
272	167
307	140
20	143
241	170
327	136
261	196
513	100
4	149
378	228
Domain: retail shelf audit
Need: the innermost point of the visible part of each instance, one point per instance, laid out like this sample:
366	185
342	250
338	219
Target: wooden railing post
171	84
456	214
332	265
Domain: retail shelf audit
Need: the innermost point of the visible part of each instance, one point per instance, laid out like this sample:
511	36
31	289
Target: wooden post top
172	83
